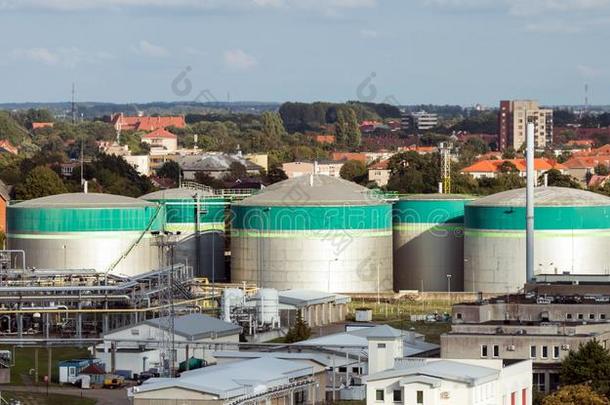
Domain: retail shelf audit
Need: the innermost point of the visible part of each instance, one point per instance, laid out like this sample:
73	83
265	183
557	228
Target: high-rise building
512	124
424	120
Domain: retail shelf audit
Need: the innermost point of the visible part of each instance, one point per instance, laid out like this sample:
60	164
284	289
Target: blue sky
416	51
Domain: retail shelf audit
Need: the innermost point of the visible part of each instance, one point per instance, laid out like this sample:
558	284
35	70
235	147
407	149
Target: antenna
445	150
73	109
586	97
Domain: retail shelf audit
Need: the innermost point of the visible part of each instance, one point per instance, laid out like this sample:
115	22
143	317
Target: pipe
529	203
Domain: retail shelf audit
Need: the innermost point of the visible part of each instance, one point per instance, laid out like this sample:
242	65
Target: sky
398	51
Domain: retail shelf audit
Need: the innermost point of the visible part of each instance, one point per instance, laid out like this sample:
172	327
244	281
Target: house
161	141
492	168
7	147
581	167
214	164
70	369
597	181
254	381
113	148
422	150
330	168
139	162
145	123
438	381
380	172
136	347
96	374
66	169
5	197
39	125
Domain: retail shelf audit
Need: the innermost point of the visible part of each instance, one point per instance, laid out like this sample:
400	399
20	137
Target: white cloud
63	57
554	27
238	59
146	48
590	71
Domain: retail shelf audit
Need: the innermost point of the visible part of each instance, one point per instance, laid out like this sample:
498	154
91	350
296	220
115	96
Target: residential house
582	167
139	162
39	125
214	164
336	156
380	172
7	147
422	150
161	141
145	123
492	168
326	167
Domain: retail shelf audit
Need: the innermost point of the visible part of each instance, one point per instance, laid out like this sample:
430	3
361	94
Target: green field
27	398
24	362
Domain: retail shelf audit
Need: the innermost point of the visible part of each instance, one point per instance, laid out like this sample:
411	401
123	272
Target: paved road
103	396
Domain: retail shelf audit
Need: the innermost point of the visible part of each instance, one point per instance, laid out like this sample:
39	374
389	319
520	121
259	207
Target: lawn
27	398
24	362
432	330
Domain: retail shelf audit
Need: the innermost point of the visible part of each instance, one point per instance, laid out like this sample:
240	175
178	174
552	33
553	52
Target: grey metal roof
231	380
83	200
443	369
176	193
544	197
320	358
196	326
437	197
310	190
214	162
301	298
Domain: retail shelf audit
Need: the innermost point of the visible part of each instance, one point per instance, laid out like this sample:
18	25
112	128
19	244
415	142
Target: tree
236	171
575	395
353	170
207	180
273	126
589	364
507	167
275	174
170	170
353	136
509	153
601	170
556	179
299	331
40	182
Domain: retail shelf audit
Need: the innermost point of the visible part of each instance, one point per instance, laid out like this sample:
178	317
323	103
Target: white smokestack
529	204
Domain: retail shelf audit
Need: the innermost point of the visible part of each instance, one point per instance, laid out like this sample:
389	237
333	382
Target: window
379	395
591	317
343	369
458	315
72	371
539	382
555	352
397	396
569	316
420	397
533	352
545	352
581	317
496	351
602	316
381	345
483	350
356	370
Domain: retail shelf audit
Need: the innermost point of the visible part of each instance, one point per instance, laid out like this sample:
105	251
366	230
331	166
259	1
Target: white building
161	142
424	121
139	162
137	347
394	379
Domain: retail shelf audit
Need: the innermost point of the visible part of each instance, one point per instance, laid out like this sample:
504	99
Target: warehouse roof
320	358
176	193
301	298
543	196
214	162
317	189
83	200
233	379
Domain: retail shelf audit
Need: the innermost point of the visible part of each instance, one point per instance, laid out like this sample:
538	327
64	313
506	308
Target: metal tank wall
428	233
325	248
86	238
180	216
568	240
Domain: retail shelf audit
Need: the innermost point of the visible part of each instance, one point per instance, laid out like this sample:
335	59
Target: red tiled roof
93	369
587	162
381	165
37	125
348	156
597	180
493	166
7	146
146	123
159	133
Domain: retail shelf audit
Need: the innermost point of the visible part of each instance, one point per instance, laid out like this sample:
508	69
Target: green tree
509	153
207	180
299	331
601	170
589	364
353	136
170	170
507	167
341	128
273	126
580	394
557	179
275	174
353	170
40	182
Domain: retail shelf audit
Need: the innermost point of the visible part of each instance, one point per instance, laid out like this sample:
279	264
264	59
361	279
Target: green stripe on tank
84	235
297	218
418	227
428	211
539	234
184	210
23	220
545	218
319	234
190	227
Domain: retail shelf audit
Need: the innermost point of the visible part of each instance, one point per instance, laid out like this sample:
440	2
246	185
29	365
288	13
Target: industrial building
197	219
109	233
313	232
543	328
571	237
428	232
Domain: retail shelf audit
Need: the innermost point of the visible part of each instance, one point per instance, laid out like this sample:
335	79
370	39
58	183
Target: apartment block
512	124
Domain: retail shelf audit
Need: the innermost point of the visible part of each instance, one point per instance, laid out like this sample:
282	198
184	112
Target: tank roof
309	190
544	196
436	197
83	200
176	193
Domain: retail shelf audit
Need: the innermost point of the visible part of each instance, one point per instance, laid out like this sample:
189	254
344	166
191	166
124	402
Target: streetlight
449	287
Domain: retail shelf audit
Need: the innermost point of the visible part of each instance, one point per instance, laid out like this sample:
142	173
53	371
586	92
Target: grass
24	362
27	398
432	330
402	308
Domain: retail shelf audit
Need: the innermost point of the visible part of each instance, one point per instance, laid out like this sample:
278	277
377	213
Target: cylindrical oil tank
267	306
313	232
207	256
105	232
429	242
572	235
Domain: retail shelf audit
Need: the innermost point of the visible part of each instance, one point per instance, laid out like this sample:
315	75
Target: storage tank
429	242
104	232
207	256
572	235
268	307
313	232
